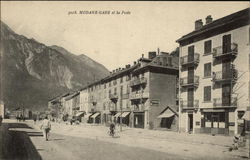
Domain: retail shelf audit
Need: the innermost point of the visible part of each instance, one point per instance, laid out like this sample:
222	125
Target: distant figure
46	127
71	121
21	118
1	119
34	120
112	129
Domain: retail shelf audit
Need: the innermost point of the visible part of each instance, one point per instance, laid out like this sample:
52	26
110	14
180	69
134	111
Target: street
25	141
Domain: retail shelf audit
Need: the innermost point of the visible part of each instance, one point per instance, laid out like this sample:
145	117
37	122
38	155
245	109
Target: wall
162	88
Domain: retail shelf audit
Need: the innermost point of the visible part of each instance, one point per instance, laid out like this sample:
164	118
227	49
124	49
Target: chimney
142	55
151	55
119	68
128	65
134	62
198	24
209	19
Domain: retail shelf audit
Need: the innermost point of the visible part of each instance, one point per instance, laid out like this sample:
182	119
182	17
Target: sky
113	40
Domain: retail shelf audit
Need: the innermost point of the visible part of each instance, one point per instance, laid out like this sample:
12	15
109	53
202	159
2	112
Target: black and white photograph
125	80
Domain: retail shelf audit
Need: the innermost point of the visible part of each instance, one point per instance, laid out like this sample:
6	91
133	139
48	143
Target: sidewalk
194	146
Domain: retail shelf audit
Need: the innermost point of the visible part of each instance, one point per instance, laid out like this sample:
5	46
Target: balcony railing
138	95
186	60
219	53
189	81
125	96
225	102
225	76
138	81
185	104
113	97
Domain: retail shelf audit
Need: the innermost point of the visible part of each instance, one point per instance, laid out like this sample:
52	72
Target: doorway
190	97
190	122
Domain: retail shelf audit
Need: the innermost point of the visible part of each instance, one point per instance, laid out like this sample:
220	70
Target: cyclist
112	129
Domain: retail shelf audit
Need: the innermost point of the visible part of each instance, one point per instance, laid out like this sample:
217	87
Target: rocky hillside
31	72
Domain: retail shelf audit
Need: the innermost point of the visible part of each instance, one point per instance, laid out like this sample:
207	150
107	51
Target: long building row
204	90
135	95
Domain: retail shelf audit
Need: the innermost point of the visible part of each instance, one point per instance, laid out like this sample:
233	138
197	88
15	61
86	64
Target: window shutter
207	70
207	93
208	47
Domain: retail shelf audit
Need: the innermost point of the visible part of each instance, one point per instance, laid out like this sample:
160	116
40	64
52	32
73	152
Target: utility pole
121	119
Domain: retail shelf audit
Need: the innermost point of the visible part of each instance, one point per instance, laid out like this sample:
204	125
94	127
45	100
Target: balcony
190	61
138	81
225	102
189	81
220	77
113	97
232	52
125	96
139	95
185	104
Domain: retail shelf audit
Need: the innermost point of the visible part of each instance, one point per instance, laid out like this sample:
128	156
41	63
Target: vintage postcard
127	80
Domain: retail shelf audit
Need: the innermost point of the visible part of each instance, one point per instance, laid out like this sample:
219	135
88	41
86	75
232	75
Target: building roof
242	15
72	95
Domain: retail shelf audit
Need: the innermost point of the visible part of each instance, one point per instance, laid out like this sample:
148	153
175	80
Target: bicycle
112	134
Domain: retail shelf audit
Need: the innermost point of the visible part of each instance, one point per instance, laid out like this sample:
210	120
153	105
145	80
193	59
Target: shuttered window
207	70
207	47
207	93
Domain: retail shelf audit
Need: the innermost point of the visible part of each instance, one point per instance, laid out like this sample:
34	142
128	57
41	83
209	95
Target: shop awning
117	115
166	114
87	115
124	114
95	115
79	114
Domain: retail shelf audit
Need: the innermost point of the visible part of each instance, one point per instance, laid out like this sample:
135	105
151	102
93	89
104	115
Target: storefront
125	118
138	119
168	119
215	122
87	118
96	118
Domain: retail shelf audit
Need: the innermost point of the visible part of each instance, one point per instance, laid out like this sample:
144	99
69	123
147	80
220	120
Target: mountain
32	73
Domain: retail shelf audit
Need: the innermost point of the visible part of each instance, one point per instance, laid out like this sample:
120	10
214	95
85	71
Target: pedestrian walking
46	127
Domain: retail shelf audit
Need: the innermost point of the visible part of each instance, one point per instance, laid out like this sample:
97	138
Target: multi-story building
214	74
71	104
142	95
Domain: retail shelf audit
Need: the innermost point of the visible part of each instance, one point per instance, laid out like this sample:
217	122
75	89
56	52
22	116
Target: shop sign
231	123
154	102
197	123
